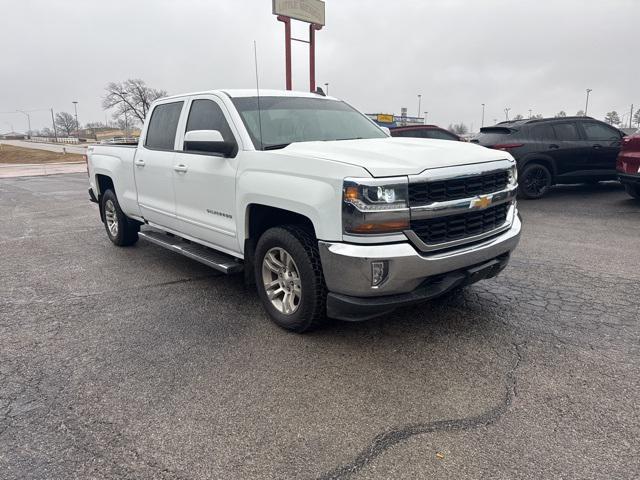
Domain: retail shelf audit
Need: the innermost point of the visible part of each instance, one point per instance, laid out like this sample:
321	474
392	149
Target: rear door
604	144
153	166
568	149
204	182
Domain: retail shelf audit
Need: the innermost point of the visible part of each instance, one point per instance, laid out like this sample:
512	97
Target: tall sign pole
309	11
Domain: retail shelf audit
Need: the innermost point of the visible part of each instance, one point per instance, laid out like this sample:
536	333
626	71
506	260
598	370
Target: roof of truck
251	92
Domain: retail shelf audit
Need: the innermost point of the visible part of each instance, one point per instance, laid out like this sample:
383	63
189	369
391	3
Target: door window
597	131
161	134
207	115
543	132
566	131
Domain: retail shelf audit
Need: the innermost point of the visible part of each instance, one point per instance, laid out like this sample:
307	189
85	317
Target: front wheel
122	230
535	181
633	190
289	278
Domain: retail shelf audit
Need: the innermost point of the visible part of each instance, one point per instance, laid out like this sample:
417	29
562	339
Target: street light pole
426	114
506	113
482	123
586	105
419	104
55	130
28	122
75	106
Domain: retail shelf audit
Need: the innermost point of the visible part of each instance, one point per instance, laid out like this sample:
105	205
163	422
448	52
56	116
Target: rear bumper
411	276
627	179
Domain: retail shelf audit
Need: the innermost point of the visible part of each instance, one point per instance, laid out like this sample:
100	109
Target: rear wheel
289	278
633	190
122	230
534	181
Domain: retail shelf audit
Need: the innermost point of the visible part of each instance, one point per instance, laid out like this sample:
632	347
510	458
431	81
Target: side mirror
207	141
386	130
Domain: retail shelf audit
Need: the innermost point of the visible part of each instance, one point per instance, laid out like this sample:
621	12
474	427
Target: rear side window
207	115
597	131
542	132
440	134
566	131
402	133
161	134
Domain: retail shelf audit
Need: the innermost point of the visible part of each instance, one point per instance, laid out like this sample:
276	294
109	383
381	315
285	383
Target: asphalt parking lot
139	363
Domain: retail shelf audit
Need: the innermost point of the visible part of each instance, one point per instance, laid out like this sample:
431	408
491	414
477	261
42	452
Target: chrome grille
423	193
455	227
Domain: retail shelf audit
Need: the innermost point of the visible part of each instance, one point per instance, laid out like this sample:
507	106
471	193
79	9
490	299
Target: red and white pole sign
309	11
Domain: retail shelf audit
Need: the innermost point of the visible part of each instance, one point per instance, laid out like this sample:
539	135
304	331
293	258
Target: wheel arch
545	160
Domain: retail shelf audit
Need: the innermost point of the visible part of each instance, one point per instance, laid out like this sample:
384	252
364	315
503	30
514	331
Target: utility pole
29	121
55	130
419	105
482	123
631	116
326	86
506	113
75	106
530	114
426	114
586	105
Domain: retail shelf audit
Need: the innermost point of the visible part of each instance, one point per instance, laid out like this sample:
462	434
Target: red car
424	131
628	164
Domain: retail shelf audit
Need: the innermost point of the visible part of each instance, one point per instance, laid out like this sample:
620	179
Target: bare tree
65	123
459	129
580	113
612	118
537	116
636	118
518	117
561	114
132	97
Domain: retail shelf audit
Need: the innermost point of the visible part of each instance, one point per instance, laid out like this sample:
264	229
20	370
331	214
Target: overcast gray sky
378	55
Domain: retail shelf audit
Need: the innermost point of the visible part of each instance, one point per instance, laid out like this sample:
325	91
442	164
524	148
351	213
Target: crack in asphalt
390	438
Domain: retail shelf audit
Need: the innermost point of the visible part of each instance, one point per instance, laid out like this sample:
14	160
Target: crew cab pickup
326	213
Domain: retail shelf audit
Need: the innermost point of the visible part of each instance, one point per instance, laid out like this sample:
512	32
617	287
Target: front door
568	149
153	166
205	183
604	144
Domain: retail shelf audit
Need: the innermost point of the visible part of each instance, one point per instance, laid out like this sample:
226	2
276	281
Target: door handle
139	163
597	147
181	168
553	146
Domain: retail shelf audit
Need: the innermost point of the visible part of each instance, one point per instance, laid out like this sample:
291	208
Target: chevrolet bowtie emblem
480	202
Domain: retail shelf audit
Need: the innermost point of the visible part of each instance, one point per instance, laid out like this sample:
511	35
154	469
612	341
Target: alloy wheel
281	280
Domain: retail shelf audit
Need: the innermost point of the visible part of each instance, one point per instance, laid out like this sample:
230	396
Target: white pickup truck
322	209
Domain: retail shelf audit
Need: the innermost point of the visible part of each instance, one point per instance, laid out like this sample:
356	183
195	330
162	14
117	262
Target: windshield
299	119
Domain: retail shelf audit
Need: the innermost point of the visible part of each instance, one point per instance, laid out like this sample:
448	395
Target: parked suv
556	150
424	131
628	165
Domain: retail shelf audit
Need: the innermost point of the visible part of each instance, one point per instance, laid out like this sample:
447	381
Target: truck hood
383	157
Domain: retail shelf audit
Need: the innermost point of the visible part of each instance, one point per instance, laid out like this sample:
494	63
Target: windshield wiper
276	146
354	138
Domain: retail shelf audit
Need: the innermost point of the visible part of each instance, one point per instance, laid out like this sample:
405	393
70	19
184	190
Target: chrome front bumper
347	267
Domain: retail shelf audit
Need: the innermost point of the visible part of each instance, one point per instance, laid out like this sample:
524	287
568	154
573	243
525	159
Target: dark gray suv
556	150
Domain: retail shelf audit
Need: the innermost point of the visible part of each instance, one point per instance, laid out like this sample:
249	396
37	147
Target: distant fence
72	140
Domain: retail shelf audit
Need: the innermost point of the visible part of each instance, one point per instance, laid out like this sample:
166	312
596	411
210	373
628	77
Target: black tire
633	190
302	247
126	229
535	181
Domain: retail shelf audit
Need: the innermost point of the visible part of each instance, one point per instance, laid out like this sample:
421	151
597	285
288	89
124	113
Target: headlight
513	175
375	205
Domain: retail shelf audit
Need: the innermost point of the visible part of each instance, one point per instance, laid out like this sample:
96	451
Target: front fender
318	199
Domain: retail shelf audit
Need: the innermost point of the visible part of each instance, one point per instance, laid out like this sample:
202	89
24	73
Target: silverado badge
480	202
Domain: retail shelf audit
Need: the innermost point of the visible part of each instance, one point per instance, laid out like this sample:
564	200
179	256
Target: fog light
378	272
